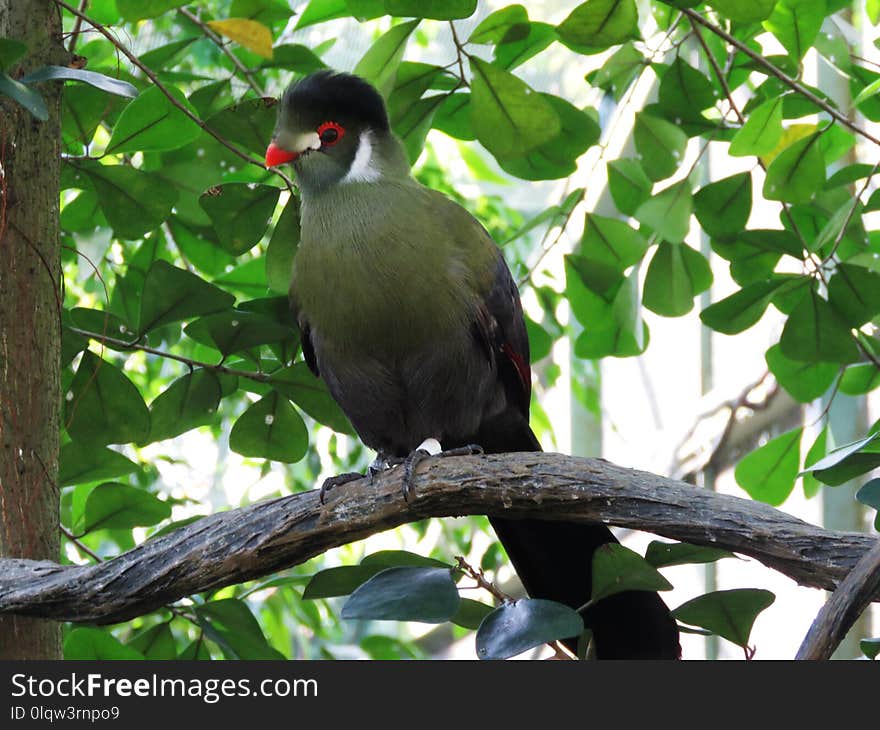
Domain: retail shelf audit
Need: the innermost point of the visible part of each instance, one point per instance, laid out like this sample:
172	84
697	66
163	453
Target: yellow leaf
790	135
252	35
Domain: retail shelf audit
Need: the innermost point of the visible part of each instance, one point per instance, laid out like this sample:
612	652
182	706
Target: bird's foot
337	481
430	447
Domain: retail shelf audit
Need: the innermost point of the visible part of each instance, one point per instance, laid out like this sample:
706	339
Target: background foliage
178	245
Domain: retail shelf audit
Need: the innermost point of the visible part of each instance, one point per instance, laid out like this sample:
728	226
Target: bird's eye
330	133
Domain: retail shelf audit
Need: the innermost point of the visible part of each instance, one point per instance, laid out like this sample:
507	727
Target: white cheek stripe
362	169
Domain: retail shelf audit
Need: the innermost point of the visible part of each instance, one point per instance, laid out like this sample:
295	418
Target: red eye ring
330	133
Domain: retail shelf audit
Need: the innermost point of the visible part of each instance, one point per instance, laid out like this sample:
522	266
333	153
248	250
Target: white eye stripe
362	168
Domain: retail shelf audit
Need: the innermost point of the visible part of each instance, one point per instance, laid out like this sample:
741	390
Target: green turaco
409	313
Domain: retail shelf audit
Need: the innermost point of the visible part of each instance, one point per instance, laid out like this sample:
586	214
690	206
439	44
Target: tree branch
244	544
837	616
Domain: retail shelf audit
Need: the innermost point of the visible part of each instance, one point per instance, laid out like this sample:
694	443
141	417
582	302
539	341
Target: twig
793	84
224	47
480	577
79	545
459	52
855	204
852	597
124	345
74	34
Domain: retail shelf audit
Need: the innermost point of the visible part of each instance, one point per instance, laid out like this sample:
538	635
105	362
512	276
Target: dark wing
501	330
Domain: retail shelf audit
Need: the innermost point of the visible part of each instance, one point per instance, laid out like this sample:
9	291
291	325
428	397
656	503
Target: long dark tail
554	561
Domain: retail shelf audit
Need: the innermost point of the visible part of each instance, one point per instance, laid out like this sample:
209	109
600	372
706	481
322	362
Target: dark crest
330	91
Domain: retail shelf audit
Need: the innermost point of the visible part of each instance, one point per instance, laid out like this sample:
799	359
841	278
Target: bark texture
30	312
242	544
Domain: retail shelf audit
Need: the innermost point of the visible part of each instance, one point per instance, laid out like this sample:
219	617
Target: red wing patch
522	368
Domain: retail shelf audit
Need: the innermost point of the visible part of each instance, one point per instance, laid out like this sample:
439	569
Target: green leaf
114	506
675	276
79	465
320	11
471	613
612	319
668	212
804	381
723	207
102	405
453	116
744	11
730	614
435	9
237	331
499	24
512	53
295	57
815	452
848	461
660	145
612	242
86	643
65	73
557	157
379	64
870	647
428	595
231	625
12	50
133	201
860	379
619	71
152	122
162	56
664	554
240	213
339	581
513	628
768	473
796	23
617	569
508	118
282	248
629	185
740	310
869	494
298	384
684	92
814	332
143	9
155	643
188	402
171	294
27	97
249	123
270	429
797	173
414	123
401	558
854	293
598	24
762	131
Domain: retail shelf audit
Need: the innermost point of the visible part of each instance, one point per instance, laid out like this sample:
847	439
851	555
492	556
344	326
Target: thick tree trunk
30	319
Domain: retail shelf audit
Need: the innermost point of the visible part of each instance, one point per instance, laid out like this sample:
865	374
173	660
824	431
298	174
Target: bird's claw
419	455
337	481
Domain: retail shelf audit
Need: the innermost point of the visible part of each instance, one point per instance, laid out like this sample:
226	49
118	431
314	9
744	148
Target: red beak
276	156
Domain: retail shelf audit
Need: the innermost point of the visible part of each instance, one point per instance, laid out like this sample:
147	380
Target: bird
410	314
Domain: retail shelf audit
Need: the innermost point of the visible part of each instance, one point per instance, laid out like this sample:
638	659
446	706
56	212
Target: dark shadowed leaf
860	379
848	461
612	242
171	294
768	473
730	614
740	310
119	506
134	202
157	643
663	554
282	247
617	568
270	429
80	464
236	331
869	494
471	613
660	145
870	647
103	406
495	26
797	173
744	11
629	185
684	91
188	402
249	123
668	212
402	558
516	627
854	292
240	213
379	64
723	207
428	595
29	98
298	384
340	581
815	332
676	274
231	625
435	9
